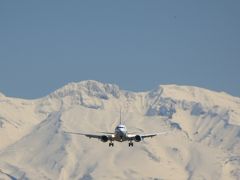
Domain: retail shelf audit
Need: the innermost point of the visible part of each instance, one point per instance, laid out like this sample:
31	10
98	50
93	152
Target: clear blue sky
137	44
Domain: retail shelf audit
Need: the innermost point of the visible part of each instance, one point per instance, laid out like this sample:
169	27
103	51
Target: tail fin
120	116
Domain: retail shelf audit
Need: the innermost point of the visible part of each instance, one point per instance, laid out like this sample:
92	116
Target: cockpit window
120	127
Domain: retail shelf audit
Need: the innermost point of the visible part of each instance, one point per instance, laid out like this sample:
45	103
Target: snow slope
203	142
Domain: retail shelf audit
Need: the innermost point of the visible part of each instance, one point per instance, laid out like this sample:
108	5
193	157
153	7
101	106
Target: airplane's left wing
142	136
152	135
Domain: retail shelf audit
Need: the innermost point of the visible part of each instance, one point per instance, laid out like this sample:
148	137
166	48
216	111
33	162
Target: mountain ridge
203	142
88	83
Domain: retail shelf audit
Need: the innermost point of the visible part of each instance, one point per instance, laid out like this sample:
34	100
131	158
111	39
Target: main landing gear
130	144
111	144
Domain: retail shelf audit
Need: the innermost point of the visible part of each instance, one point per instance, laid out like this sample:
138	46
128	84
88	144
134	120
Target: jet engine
137	138
104	138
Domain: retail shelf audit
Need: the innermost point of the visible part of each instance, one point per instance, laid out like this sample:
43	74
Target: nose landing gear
130	144
111	144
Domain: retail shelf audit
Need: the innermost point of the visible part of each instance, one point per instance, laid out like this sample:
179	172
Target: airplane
120	134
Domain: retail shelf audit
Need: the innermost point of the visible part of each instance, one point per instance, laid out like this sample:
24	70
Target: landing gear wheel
111	144
130	144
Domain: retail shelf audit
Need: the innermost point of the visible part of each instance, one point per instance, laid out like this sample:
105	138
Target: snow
203	142
2	95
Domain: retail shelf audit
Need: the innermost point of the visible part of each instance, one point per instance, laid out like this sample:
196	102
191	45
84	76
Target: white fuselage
120	133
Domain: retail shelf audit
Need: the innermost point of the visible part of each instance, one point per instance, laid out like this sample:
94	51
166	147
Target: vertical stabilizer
120	116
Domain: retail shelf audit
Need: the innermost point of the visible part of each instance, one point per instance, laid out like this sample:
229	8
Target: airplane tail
120	116
120	120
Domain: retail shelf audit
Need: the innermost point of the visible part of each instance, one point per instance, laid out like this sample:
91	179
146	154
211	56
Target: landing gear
111	144
130	144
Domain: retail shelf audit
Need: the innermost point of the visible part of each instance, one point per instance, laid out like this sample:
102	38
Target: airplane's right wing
102	137
107	132
83	134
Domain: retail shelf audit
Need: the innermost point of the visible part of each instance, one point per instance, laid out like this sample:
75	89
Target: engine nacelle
137	138
104	138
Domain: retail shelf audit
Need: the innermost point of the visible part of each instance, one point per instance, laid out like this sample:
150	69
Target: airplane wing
97	136
107	132
83	134
152	135
131	135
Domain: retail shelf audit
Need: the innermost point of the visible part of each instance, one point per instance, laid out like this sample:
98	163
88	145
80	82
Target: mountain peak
89	87
197	94
2	95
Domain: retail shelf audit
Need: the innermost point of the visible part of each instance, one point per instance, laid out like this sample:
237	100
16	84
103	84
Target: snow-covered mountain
203	140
